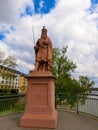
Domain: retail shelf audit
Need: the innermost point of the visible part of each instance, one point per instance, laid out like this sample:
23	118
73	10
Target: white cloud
4	48
11	9
68	23
41	4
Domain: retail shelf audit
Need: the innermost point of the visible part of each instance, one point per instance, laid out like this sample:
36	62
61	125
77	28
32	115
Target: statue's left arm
49	49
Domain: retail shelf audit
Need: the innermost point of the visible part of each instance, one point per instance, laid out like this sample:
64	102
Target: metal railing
87	104
81	103
9	102
90	106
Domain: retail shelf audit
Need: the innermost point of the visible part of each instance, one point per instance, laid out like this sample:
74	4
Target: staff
33	35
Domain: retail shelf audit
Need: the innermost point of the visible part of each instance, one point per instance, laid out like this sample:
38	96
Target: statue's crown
44	30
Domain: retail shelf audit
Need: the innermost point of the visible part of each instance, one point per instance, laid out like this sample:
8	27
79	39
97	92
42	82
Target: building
22	84
12	80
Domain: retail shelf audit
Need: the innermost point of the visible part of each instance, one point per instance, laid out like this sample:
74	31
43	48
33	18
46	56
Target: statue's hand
35	48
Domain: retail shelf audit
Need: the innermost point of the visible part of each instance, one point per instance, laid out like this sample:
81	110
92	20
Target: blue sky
94	1
40	7
2	36
43	6
72	23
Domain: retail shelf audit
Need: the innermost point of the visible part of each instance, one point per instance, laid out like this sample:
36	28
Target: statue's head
44	31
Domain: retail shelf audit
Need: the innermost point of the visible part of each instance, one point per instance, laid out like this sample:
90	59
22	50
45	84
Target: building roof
13	70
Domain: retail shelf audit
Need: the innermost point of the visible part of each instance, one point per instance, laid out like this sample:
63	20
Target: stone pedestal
40	107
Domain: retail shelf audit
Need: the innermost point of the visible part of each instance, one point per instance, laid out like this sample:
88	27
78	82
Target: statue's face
43	36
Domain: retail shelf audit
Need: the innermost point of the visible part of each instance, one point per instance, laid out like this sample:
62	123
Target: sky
69	22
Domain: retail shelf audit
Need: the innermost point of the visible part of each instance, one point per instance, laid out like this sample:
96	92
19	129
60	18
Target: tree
86	84
62	67
10	62
1	57
5	64
8	76
66	85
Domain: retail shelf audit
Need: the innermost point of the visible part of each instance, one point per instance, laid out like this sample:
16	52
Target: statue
43	52
40	107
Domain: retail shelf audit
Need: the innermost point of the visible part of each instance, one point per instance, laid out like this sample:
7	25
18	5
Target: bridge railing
78	103
84	103
90	106
9	102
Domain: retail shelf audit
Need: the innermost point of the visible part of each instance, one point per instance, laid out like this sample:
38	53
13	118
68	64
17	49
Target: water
95	94
91	104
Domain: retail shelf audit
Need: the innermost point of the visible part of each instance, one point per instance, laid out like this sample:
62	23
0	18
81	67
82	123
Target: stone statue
43	52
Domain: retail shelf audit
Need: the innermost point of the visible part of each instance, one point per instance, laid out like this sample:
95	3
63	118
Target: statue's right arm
36	47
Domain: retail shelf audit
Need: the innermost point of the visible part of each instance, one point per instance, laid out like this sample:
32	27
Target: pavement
66	121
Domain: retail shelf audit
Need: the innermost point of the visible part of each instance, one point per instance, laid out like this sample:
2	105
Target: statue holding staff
43	52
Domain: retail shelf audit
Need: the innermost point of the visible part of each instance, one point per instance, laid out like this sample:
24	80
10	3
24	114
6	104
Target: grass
16	109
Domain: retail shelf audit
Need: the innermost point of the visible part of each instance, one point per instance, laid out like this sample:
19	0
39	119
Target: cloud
41	4
10	10
69	23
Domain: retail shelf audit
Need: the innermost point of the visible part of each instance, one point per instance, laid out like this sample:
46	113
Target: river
91	104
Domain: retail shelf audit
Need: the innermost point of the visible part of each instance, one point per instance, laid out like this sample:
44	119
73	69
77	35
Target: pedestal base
40	107
39	121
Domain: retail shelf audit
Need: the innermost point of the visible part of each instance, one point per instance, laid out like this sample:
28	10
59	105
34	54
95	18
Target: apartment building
22	84
12	80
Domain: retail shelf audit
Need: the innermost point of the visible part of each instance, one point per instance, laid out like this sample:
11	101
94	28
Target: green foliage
11	103
86	84
19	108
61	64
67	87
